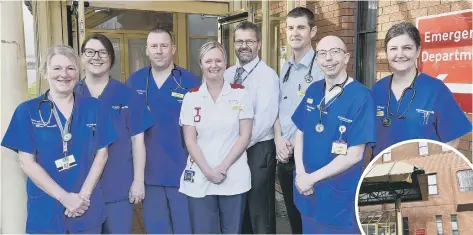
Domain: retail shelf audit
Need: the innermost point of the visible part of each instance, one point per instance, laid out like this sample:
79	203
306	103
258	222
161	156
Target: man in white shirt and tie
262	83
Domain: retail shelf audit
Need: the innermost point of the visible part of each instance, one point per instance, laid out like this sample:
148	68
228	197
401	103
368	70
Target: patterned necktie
238	75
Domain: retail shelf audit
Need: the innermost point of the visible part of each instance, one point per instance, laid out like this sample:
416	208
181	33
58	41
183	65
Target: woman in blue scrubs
62	140
123	176
411	104
335	121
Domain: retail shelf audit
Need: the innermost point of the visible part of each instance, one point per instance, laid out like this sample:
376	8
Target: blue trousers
166	211
310	226
119	217
212	212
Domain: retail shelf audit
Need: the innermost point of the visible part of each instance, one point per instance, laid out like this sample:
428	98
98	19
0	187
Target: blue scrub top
166	154
333	201
91	130
130	117
445	123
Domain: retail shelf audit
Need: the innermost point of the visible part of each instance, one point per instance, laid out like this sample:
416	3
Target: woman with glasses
123	176
411	104
61	140
217	120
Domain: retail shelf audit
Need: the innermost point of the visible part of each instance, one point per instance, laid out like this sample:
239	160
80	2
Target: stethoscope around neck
387	120
179	84
308	77
66	135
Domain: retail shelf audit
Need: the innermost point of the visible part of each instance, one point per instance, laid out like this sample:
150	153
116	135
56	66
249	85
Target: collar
250	65
306	59
226	89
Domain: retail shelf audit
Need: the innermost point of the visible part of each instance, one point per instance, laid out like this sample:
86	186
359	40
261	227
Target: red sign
446	51
420	231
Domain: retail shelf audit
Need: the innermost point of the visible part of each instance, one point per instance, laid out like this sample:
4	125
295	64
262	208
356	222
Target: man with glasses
262	84
296	75
162	86
335	122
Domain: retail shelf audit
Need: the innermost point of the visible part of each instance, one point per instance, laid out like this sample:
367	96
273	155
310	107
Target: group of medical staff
201	153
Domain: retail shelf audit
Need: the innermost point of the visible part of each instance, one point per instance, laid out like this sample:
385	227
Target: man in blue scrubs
162	87
335	121
123	175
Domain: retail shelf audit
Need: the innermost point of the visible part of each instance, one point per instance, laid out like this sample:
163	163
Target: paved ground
282	222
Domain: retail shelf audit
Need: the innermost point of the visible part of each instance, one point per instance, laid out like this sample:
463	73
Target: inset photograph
420	187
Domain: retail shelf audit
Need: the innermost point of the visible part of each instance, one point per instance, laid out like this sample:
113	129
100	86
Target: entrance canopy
387	182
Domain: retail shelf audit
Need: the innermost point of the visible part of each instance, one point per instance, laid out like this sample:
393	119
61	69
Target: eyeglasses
248	43
333	52
91	53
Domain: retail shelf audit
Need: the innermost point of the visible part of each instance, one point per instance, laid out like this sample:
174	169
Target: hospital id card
189	176
237	107
301	93
178	95
339	148
65	163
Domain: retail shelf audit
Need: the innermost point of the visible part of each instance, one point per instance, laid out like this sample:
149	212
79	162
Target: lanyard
66	135
248	74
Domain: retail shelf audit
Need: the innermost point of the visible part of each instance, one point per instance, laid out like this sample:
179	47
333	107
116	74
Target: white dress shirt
263	84
218	128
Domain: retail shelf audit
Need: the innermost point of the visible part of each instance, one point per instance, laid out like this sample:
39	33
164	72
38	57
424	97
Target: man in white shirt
297	74
262	83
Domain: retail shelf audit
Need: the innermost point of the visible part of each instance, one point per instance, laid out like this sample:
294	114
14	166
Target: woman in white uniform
217	119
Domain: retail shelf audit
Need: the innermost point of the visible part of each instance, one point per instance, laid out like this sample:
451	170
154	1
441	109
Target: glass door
135	49
226	26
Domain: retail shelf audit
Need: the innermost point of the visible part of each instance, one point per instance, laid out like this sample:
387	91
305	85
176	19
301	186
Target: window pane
465	180
116	70
439	224
136	20
367	14
202	25
432	179
433	190
137	54
194	47
387	157
366	64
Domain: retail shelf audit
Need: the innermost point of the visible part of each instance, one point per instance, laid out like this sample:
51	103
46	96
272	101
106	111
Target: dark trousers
286	181
215	214
260	216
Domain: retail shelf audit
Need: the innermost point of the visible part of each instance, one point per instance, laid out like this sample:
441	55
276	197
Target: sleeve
106	133
139	118
299	114
186	117
248	110
20	135
267	107
363	128
451	121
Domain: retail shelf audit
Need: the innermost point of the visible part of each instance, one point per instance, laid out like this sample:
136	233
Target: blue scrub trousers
310	226
209	212
166	211
119	217
94	230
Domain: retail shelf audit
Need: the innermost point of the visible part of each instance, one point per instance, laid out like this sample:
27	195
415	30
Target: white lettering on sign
455	36
448	56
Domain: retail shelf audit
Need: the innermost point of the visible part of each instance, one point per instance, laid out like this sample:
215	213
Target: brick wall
336	18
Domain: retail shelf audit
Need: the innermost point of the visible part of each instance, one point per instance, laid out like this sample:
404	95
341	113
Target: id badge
178	95
237	107
339	148
65	163
301	93
189	176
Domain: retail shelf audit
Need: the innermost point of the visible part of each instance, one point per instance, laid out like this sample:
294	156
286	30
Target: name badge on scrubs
237	107
189	176
178	95
65	163
339	147
379	113
301	93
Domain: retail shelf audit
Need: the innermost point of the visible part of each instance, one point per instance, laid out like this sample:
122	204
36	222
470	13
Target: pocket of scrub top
336	208
42	212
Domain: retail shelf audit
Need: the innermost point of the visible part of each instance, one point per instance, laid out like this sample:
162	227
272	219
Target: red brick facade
422	215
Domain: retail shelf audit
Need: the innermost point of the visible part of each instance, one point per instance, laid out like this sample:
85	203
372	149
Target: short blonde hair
64	50
209	46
